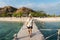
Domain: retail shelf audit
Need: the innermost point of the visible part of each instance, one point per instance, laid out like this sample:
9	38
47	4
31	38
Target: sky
49	6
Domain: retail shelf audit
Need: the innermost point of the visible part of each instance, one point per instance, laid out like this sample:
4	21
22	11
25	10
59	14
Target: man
29	24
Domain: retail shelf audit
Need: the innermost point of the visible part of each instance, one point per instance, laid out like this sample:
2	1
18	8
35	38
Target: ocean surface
8	29
50	32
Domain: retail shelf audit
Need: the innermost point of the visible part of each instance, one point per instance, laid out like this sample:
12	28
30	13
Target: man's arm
26	22
32	22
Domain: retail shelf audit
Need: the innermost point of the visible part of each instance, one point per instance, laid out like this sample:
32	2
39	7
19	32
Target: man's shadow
33	34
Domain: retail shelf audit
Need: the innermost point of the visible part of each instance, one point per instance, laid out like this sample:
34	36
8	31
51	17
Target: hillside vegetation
9	11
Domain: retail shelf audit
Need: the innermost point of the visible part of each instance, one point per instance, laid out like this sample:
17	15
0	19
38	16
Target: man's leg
29	31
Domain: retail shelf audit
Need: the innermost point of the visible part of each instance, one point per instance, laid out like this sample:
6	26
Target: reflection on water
52	34
48	25
48	33
52	25
8	29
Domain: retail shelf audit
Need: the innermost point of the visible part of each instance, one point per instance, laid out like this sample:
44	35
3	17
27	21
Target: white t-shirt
30	22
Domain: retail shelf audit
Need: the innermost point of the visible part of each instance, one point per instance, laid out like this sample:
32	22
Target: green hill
9	11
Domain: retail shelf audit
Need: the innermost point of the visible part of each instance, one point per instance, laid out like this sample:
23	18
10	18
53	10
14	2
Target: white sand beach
49	19
23	19
16	19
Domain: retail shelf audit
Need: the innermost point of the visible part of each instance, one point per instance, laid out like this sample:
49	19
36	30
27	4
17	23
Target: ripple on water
49	25
8	29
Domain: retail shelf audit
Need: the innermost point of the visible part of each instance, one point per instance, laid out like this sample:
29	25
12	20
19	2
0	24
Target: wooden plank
36	34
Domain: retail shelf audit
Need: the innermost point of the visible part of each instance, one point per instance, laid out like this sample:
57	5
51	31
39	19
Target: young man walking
29	24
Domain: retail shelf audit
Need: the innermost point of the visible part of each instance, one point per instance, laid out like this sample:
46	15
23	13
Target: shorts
30	27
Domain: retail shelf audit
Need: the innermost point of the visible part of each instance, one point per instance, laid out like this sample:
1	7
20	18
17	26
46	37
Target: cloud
29	5
50	7
26	5
2	4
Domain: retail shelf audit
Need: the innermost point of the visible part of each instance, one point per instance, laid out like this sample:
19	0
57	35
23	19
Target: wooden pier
23	34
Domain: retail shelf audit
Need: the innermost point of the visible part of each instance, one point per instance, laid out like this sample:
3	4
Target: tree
39	14
3	15
54	15
17	14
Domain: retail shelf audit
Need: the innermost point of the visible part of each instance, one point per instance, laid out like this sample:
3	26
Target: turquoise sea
51	34
8	29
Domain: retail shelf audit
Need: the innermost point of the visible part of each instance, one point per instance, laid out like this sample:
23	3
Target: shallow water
8	29
52	34
49	25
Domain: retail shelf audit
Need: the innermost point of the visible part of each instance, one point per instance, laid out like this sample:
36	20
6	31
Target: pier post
58	34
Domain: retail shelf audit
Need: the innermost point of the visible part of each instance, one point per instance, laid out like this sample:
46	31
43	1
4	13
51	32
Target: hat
30	15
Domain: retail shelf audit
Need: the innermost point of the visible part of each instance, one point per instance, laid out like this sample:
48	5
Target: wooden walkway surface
23	34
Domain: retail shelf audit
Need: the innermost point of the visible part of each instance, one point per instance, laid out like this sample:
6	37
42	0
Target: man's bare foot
30	36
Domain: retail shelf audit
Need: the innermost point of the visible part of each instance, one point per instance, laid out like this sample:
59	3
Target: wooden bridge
23	34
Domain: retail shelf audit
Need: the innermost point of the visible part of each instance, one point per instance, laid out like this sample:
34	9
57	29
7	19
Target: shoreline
12	19
23	19
49	19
